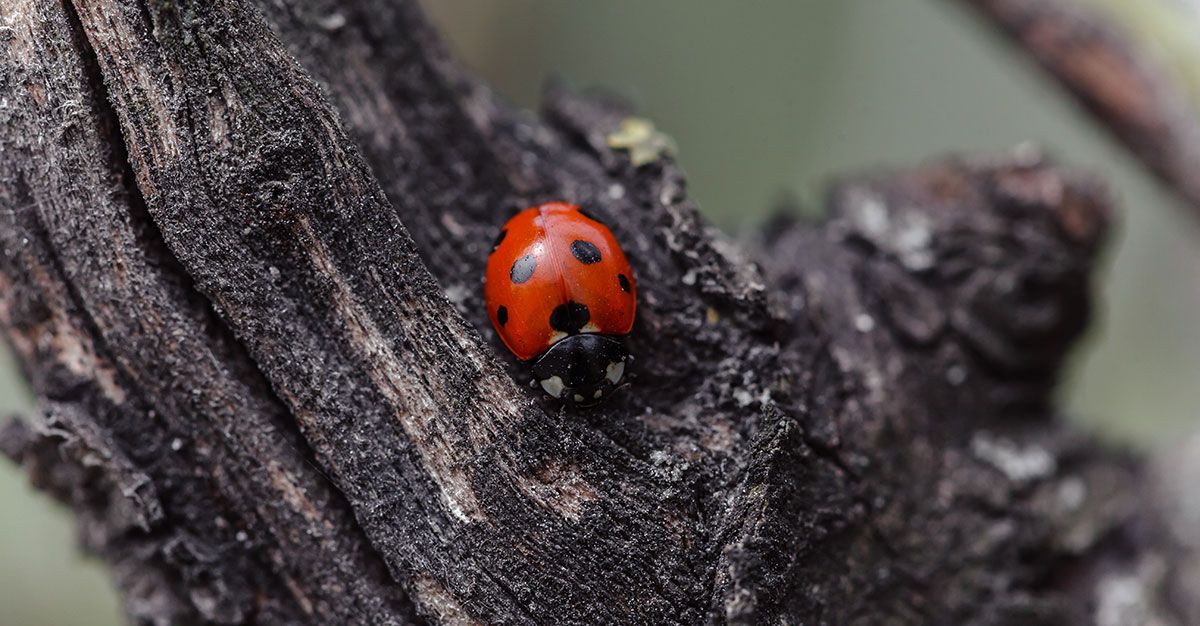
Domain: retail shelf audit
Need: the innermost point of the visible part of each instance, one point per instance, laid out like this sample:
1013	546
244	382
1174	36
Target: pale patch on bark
435	599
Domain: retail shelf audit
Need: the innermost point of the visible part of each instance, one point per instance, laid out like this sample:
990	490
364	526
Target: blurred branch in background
1141	97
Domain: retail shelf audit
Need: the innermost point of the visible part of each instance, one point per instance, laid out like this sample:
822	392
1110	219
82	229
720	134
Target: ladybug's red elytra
561	295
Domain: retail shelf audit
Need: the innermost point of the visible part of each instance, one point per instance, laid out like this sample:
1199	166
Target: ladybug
561	295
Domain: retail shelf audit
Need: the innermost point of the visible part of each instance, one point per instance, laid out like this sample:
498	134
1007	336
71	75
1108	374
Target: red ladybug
561	294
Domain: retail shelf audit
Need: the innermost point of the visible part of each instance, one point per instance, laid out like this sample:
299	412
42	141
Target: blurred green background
768	100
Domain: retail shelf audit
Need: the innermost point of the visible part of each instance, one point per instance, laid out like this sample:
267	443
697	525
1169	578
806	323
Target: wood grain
242	250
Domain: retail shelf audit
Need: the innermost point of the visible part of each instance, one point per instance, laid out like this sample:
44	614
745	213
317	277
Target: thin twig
1114	78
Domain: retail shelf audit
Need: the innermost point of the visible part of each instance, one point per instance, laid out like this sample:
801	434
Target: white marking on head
615	371
553	386
578	398
596	396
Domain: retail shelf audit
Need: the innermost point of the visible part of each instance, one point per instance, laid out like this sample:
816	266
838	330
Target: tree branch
1114	79
217	512
253	252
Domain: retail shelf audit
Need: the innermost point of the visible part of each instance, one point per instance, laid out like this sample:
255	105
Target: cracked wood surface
242	244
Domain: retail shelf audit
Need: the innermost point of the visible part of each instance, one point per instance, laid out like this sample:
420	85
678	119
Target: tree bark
242	246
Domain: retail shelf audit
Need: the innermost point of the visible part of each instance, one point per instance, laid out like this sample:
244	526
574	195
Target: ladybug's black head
581	370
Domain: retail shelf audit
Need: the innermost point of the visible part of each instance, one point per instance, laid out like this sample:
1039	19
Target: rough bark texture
242	245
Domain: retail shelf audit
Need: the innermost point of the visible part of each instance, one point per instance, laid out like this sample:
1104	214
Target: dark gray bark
242	250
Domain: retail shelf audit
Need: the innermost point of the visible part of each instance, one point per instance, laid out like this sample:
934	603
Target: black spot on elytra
499	238
585	251
621	278
522	269
502	315
570	317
